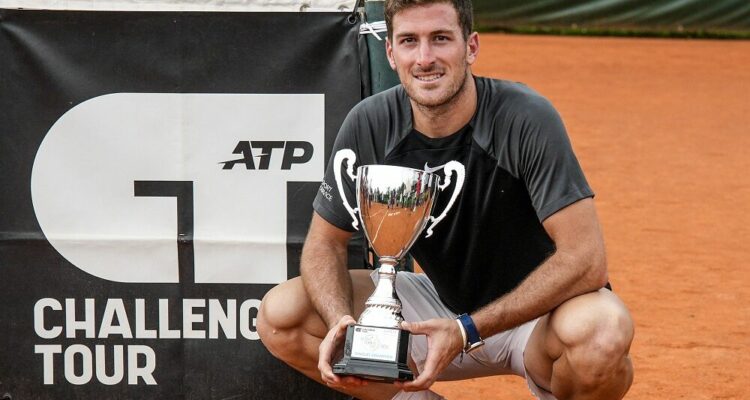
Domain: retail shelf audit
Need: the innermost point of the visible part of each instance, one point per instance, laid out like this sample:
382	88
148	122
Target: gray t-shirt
520	169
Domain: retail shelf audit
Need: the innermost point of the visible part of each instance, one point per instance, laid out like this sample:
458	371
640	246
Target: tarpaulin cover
645	14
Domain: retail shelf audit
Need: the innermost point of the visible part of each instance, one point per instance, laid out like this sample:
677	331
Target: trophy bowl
394	204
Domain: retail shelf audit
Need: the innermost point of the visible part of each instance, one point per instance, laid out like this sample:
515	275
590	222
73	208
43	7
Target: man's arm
329	287
323	269
578	266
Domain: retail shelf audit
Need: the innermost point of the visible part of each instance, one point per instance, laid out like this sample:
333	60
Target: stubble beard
441	104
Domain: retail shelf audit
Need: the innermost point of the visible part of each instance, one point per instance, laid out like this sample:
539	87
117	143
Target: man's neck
446	119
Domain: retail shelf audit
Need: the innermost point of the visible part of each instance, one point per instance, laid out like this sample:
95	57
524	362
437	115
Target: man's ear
472	48
389	53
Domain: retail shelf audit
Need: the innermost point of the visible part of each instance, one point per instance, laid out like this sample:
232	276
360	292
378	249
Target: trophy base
374	370
375	353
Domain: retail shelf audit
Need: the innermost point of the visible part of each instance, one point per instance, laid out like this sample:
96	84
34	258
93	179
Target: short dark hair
462	7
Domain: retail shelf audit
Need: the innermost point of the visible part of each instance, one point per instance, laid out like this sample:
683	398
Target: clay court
662	129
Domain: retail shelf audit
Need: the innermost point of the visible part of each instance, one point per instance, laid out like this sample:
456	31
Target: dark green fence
615	15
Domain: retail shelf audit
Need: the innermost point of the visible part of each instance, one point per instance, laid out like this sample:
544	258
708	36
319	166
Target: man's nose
426	56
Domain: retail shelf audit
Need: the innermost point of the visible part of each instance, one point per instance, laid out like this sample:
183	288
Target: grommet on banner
373	28
358	12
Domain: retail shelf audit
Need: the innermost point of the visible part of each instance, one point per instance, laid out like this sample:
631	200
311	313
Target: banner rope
373	28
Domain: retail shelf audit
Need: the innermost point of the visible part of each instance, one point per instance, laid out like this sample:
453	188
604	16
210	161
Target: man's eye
407	40
441	38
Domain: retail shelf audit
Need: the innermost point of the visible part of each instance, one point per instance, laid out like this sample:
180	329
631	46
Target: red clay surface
662	129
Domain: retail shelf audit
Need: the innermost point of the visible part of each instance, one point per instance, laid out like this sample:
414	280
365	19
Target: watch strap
473	340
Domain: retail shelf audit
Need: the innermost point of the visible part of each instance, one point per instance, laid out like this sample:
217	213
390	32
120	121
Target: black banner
158	170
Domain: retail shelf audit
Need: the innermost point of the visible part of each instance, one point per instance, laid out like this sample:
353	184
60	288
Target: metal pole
382	76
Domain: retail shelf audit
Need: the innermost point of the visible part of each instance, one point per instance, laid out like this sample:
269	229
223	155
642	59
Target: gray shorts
502	353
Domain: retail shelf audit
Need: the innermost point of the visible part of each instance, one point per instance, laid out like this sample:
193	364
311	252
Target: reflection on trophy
394	204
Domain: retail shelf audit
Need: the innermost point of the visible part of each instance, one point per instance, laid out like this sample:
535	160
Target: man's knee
595	331
290	327
283	317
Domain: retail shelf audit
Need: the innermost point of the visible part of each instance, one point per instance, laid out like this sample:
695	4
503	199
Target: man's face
429	53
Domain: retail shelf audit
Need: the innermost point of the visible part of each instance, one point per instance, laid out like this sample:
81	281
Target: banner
158	170
184	5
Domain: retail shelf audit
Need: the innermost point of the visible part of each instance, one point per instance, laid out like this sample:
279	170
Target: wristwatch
473	340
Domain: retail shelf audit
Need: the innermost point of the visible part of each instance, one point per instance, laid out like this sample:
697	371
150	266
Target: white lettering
39	328
115	308
145	372
164	331
86	363
72	324
47	351
140	321
78	358
246	321
117	365
189	318
227	320
192	319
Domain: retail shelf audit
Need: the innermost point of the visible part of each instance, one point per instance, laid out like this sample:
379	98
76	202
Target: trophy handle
450	167
338	159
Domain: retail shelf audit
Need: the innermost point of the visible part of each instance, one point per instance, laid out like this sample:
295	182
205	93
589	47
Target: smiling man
515	276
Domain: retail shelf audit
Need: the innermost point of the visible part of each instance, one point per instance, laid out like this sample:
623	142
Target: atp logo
126	186
266	148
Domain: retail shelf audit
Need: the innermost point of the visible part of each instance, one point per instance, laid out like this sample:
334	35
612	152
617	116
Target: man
520	253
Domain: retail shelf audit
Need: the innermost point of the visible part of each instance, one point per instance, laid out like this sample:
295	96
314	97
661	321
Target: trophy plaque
394	205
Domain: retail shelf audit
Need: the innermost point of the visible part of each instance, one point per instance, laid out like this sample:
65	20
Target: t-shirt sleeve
328	202
548	165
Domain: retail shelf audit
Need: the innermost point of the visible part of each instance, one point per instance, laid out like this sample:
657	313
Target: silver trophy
394	204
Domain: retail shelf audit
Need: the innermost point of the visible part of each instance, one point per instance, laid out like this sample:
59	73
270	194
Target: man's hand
444	343
329	348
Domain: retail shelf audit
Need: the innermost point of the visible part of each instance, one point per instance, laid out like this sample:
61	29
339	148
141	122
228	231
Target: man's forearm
559	278
326	279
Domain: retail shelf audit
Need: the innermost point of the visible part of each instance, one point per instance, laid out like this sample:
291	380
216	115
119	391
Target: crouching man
515	276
